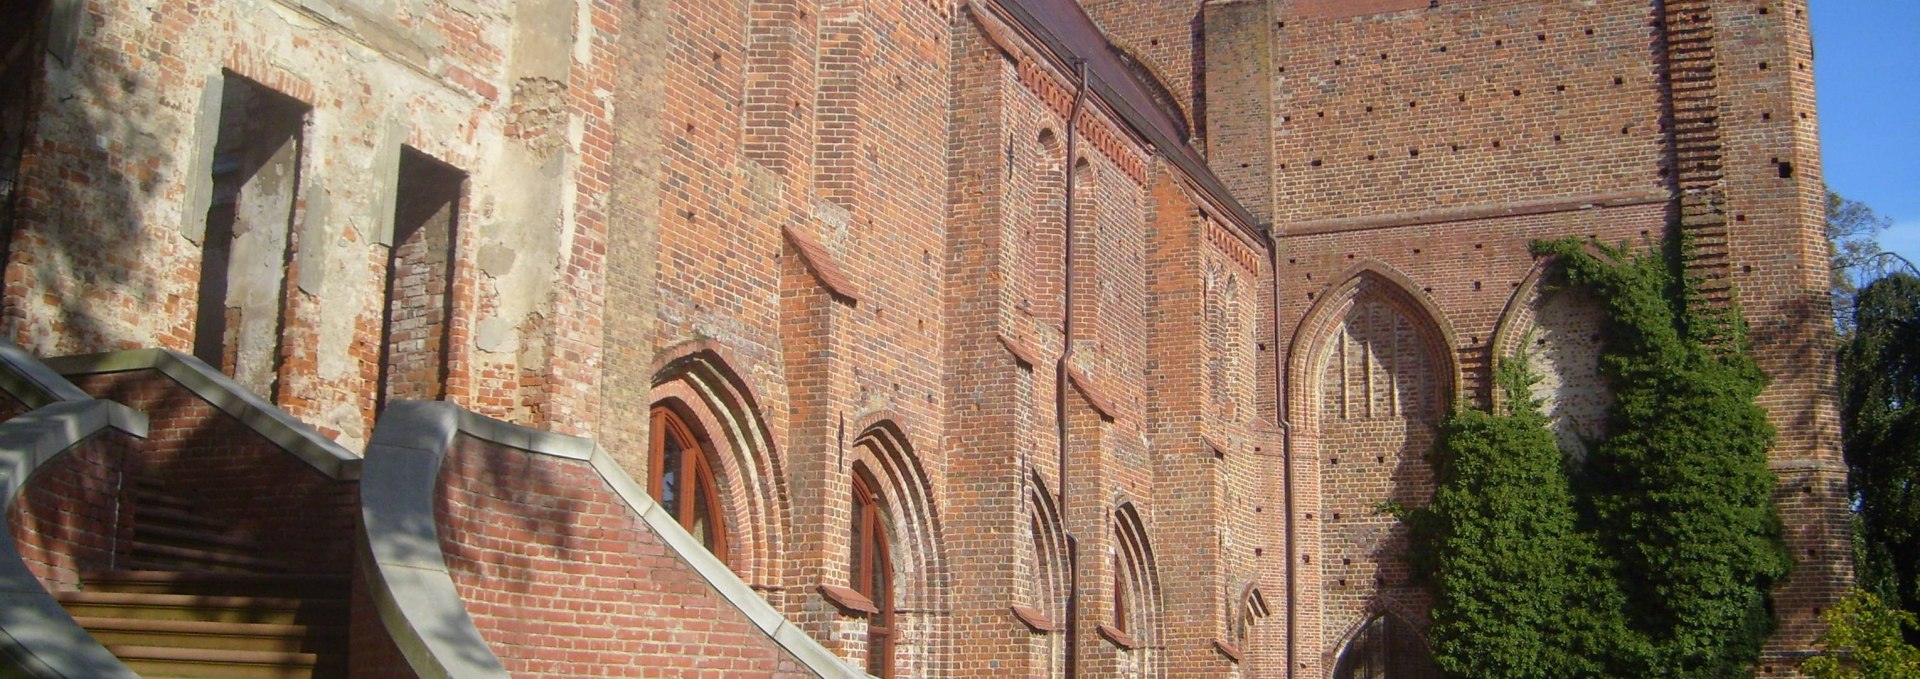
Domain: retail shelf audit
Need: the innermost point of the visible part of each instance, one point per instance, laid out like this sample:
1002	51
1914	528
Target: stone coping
288	432
31	382
38	638
412	587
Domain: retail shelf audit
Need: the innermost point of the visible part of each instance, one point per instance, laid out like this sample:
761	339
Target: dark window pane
670	458
702	514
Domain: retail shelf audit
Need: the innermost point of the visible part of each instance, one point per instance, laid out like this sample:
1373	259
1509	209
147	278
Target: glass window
871	570
682	480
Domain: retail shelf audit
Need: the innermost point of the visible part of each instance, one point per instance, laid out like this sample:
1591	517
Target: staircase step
180	536
216	635
215	663
175	517
289	585
186	558
145	606
153	496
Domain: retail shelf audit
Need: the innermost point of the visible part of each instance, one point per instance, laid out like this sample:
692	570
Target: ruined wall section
119	178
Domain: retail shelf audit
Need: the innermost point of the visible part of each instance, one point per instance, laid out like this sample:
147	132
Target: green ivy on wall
1655	556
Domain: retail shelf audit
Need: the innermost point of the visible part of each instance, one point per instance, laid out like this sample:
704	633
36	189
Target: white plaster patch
1565	348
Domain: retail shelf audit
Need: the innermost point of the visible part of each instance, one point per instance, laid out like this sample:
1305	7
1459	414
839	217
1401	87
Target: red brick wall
371	652
69	518
564	580
1165	36
1466	104
291	511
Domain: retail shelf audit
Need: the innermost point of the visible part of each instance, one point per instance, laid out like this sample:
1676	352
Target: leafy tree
1864	641
1880	382
1524	593
1853	228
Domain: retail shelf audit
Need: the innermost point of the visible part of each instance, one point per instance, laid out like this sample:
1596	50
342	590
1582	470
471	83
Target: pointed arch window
682	480
871	571
1386	648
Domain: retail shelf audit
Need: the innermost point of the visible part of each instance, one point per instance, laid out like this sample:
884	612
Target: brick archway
918	553
1370	373
714	400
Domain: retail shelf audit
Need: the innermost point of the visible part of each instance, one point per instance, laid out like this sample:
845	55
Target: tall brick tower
1405	152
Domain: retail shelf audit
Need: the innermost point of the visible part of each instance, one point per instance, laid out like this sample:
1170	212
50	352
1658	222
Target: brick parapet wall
372	653
70	519
564	580
232	472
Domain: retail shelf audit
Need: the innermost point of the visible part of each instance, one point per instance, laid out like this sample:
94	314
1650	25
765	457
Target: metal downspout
1286	455
1060	379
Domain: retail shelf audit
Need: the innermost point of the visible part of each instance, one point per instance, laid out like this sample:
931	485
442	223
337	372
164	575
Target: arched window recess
681	479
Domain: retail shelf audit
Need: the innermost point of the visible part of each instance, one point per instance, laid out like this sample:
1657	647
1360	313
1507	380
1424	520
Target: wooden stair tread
208	555
209	628
177	533
193	600
147	515
211	577
213	655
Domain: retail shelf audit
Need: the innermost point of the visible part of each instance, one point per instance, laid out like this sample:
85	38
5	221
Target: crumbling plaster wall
117	181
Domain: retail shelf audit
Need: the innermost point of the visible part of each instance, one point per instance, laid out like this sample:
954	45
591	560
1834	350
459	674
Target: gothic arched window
1386	648
682	480
871	571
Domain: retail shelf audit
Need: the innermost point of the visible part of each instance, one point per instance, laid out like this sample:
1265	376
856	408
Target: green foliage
1864	641
1680	488
1880	382
1853	228
1653	560
1523	594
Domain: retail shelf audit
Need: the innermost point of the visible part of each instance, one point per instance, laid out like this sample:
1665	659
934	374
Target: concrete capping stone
288	432
206	134
386	179
430	623
1814	466
31	382
38	638
63	29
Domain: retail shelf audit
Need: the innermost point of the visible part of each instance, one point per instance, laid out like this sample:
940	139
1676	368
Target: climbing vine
1522	592
1655	555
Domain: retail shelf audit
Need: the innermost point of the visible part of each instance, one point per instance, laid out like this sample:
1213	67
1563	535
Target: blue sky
1867	69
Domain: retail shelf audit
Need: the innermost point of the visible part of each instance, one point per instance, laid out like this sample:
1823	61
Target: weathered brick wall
1467	272
834	148
107	250
1164	36
69	518
1773	224
371	651
1437	140
1460	105
564	580
287	509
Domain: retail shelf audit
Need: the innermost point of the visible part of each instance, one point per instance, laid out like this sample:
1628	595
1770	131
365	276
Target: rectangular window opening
248	244
414	334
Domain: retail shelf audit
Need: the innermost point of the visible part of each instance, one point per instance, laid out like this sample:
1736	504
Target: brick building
811	337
